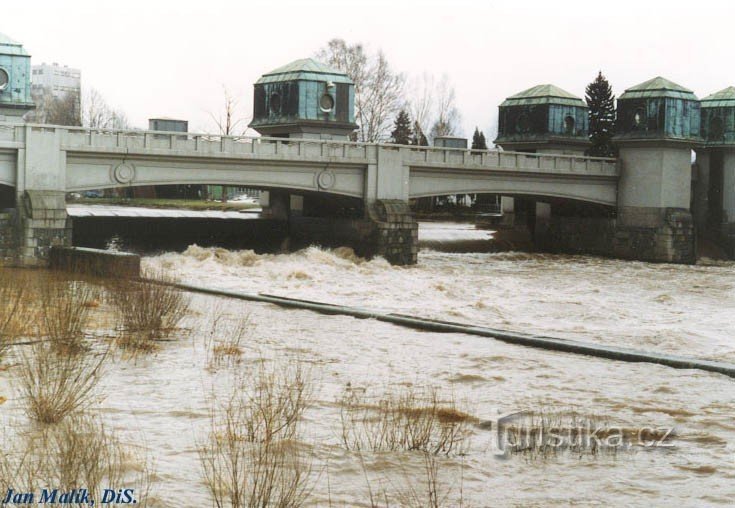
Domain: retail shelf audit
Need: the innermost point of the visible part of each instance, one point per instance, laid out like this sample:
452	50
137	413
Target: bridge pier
654	221
42	223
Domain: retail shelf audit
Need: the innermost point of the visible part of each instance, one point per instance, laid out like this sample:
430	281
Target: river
163	399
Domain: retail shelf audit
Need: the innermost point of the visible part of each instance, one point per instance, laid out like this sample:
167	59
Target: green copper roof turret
658	87
724	98
718	117
543	94
10	47
306	69
304	98
543	117
658	110
15	79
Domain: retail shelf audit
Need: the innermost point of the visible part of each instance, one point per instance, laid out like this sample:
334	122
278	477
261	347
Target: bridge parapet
78	139
513	161
96	140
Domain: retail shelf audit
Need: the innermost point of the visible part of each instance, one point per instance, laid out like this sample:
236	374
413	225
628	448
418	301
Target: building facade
58	80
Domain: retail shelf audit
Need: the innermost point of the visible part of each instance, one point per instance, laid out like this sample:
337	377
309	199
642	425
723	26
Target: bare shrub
251	457
432	490
410	419
225	339
55	384
77	453
431	487
14	311
147	309
65	307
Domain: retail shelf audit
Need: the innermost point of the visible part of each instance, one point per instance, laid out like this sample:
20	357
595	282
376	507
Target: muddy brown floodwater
161	401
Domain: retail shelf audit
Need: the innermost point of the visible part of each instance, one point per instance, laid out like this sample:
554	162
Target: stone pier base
42	223
665	236
397	232
389	231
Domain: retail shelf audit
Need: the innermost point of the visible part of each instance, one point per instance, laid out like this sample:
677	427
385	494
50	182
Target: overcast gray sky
171	58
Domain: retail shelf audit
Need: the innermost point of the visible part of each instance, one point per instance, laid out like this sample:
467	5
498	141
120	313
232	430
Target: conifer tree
401	134
601	103
478	140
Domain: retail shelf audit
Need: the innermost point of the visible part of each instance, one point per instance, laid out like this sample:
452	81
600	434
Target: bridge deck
95	158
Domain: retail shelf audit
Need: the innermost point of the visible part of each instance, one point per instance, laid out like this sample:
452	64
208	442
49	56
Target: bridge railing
11	133
90	139
513	160
212	144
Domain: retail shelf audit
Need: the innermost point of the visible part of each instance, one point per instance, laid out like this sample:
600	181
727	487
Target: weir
536	341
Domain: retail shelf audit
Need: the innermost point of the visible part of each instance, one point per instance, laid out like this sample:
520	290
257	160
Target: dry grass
147	310
56	383
77	453
410	419
65	307
251	457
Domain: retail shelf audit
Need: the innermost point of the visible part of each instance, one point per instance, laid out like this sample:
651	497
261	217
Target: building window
4	79
523	124
569	126
639	119
716	129
275	103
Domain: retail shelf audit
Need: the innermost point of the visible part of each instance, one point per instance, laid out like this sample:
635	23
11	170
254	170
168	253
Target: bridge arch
84	172
426	182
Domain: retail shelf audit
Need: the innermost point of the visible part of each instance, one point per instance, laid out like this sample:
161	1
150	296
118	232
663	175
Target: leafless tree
98	114
229	121
447	115
50	109
421	100
378	88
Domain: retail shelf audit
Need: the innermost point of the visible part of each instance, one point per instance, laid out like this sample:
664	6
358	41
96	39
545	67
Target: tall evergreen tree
401	134
601	103
478	140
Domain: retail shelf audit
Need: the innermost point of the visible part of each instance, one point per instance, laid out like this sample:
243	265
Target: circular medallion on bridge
124	173
326	179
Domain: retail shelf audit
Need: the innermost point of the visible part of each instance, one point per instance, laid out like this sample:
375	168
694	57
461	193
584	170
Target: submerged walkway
537	341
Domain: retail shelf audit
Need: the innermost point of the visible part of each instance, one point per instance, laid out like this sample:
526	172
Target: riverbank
182	204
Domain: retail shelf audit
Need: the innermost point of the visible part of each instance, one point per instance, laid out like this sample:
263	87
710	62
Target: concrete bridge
43	162
64	159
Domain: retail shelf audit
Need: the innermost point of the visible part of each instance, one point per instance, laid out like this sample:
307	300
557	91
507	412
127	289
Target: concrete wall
654	177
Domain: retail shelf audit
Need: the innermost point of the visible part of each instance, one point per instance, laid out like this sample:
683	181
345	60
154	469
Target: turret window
569	126
275	103
524	124
716	129
639	119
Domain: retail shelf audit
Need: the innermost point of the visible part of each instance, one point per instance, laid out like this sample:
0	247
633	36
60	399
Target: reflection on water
163	399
